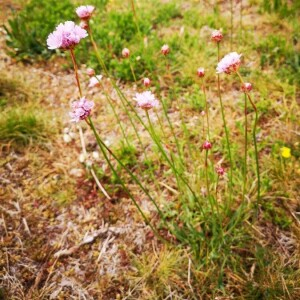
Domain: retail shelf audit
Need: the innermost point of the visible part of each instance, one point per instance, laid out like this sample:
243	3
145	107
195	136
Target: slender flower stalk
104	148
247	89
206	107
227	136
246	148
231	23
136	20
76	71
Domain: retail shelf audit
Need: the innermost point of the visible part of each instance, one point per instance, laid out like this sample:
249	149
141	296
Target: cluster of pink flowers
146	82
217	36
247	87
146	100
206	145
66	36
81	109
200	72
125	52
85	12
229	63
165	49
220	171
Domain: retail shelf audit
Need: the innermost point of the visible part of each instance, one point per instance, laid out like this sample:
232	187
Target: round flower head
202	113
220	171
66	36
85	12
90	72
200	72
206	145
81	109
229	63
217	36
94	81
247	87
146	100
165	50
146	82
125	52
285	152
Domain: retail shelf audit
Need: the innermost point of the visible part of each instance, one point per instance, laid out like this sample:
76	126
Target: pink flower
206	145
165	50
94	81
202	113
220	171
247	87
85	12
81	109
90	72
125	52
200	72
217	36
66	36
146	100
146	82
229	63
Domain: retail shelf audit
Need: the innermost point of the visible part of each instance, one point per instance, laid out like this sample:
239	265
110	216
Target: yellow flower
285	152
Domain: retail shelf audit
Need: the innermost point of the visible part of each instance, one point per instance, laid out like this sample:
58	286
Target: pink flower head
146	100
85	12
94	81
206	145
125	52
81	109
202	113
66	36
229	63
220	171
247	87
165	50
200	72
90	72
146	82
217	36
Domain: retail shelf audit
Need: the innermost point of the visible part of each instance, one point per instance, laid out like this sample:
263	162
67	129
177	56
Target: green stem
246	150
255	144
206	108
227	138
103	147
132	71
76	71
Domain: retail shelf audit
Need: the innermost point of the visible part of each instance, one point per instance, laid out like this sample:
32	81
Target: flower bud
246	87
146	82
216	36
91	72
125	52
206	145
165	50
220	171
84	24
200	72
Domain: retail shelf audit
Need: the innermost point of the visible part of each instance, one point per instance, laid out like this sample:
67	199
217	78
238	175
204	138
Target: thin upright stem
76	71
206	108
255	143
227	137
132	71
231	23
246	149
105	148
